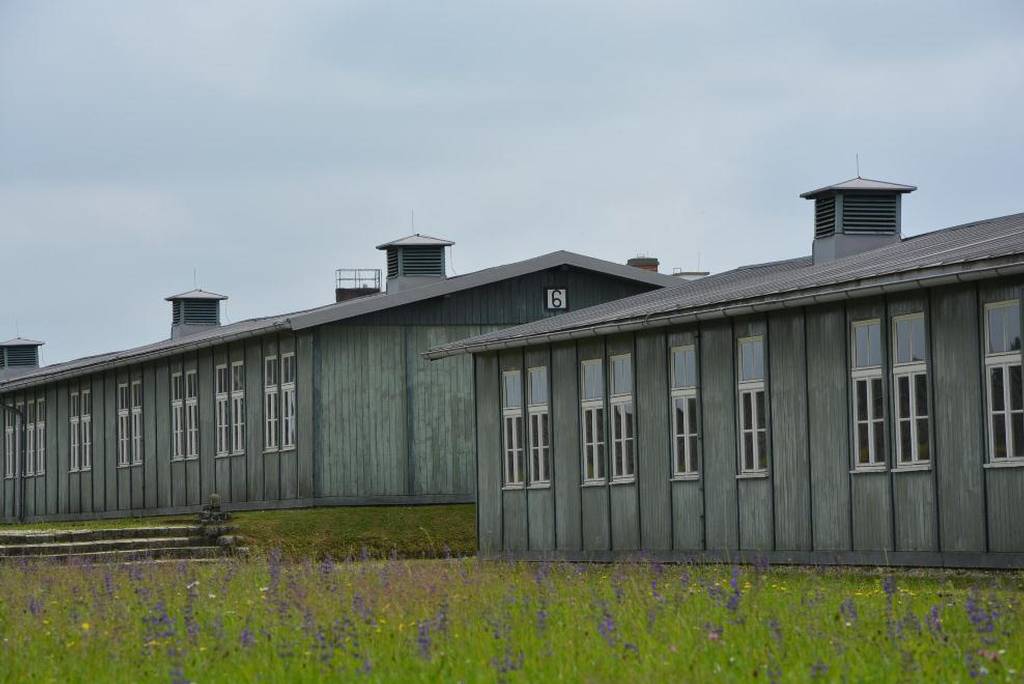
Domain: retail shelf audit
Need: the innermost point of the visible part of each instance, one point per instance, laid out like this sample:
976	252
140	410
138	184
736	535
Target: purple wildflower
160	624
327	566
35	606
984	621
819	669
607	628
776	629
889	587
734	584
934	621
848	610
423	639
507	663
542	620
247	638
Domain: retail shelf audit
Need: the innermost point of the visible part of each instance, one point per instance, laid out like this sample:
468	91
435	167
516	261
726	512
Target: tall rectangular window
753	412
540	425
40	428
238	407
85	429
137	426
288	401
30	438
1003	381
592	408
74	420
868	395
271	404
223	413
124	429
623	418
512	427
9	450
684	412
177	417
191	414
910	390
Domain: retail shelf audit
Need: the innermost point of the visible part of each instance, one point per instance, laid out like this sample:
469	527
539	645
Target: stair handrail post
23	457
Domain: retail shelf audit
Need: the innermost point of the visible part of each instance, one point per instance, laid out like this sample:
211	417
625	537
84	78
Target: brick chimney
644	262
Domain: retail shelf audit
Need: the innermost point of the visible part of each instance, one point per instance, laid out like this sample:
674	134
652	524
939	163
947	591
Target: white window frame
1004	361
177	416
623	423
288	406
271	404
222	408
74	422
191	414
10	422
85	429
539	432
750	389
40	436
871	377
685	465
910	372
513	434
124	430
137	424
593	413
30	438
238	408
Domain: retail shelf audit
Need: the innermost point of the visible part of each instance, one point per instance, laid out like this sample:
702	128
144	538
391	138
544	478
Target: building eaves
981	249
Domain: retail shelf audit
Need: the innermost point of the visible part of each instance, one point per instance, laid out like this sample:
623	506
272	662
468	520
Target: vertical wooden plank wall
718	396
488	448
515	530
687	512
565	446
540	500
653	444
754	493
595	498
828	427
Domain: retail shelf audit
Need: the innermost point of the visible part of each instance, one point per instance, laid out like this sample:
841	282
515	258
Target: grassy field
465	620
405	531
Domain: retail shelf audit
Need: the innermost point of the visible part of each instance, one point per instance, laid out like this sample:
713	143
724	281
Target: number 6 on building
556	298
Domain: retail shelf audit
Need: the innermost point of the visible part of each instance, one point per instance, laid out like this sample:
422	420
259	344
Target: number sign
557	298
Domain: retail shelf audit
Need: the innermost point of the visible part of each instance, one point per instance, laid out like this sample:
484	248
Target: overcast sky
265	144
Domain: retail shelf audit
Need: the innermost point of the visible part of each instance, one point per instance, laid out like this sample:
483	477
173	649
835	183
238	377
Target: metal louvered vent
199	312
22	357
392	262
422	261
176	313
871	214
824	217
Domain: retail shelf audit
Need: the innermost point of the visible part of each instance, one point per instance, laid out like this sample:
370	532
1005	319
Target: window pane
680	414
998	402
918	348
867	345
999	436
538	386
903	340
512	389
630	458
589	462
684	368
759	397
862	400
876	398
692	405
762	449
693	455
922	439
617	421
588	424
746	411
902	397
1015	388
600	460
680	454
748	451
921	394
860	357
544	434
629	420
1017	423
903	427
752	359
593	380
996	334
879	431
622	374
1013	327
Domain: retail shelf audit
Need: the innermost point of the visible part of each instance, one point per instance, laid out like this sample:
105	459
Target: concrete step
79	547
128	556
68	536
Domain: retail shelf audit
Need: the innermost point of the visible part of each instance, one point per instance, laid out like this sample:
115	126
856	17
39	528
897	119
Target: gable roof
987	248
331	313
21	342
417	240
196	294
860	184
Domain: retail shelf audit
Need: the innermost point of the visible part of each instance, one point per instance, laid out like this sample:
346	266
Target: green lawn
467	620
378	531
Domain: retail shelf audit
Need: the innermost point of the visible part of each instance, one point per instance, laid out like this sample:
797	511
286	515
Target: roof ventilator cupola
194	311
855	216
414	261
18	356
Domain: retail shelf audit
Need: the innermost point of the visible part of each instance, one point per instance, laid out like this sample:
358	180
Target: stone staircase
119	545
